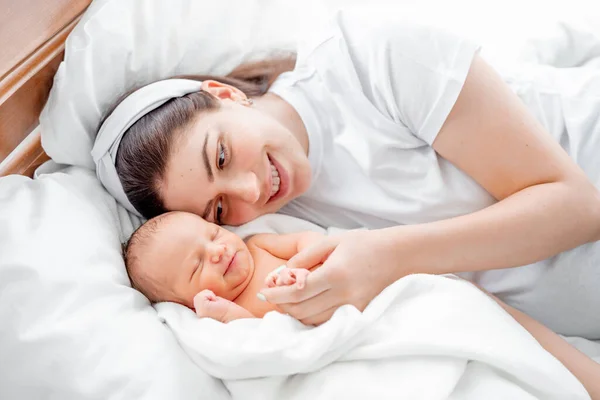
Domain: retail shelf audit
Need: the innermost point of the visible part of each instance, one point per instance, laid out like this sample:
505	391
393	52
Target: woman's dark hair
146	146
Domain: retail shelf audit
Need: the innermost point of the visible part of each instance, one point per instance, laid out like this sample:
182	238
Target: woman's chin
300	184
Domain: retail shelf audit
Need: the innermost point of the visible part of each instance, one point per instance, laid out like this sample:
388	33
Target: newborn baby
179	257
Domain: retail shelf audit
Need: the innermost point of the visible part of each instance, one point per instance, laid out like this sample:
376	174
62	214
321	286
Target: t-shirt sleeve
411	72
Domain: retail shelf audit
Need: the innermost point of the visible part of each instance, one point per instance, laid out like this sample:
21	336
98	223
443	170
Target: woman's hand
356	268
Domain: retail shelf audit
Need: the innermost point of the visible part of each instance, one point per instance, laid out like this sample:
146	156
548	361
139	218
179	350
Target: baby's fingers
271	279
286	277
204	303
204	296
301	274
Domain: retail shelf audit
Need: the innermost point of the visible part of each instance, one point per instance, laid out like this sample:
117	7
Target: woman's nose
247	188
215	252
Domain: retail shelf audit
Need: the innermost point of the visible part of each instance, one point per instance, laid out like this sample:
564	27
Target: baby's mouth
231	264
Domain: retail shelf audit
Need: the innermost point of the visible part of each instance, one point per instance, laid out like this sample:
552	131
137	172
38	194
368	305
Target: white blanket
425	337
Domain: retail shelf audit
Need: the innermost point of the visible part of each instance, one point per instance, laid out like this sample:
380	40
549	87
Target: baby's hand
287	277
209	305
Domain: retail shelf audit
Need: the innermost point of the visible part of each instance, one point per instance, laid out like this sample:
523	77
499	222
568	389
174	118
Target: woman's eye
218	212
222	154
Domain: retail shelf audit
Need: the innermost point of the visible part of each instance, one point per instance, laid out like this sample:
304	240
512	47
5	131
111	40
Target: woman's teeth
276	180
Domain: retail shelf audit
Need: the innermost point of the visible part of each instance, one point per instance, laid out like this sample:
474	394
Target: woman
398	128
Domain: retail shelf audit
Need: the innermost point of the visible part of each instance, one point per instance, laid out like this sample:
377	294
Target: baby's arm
286	246
209	305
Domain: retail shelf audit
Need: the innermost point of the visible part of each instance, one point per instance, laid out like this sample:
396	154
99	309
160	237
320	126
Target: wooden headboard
32	39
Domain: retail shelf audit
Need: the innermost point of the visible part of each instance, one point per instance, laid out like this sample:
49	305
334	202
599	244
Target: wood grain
32	37
26	158
26	25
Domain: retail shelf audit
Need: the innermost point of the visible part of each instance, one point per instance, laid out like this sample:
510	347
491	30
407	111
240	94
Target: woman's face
235	164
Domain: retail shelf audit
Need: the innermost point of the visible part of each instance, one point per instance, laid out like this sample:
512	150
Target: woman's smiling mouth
275	180
278	180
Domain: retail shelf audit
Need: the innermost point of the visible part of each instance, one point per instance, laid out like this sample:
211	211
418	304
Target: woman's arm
546	203
586	370
546	206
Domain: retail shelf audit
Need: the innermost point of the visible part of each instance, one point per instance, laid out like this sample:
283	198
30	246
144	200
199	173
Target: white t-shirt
373	101
373	92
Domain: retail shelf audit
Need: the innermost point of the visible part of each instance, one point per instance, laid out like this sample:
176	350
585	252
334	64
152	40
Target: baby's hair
139	240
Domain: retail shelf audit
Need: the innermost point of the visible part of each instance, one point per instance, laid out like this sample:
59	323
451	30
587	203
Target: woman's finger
315	284
313	306
320	318
312	255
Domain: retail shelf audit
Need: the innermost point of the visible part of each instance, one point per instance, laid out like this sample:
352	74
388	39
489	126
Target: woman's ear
223	91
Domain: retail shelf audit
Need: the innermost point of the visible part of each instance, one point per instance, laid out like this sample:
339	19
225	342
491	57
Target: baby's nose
216	252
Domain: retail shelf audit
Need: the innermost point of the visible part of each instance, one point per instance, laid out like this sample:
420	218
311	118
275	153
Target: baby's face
189	255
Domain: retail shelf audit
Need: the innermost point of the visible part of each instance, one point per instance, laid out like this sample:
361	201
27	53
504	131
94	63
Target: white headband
134	107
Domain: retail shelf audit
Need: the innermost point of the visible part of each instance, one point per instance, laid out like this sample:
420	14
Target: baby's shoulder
265	253
259	239
262	243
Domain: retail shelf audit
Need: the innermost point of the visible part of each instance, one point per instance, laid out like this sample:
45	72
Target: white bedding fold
425	337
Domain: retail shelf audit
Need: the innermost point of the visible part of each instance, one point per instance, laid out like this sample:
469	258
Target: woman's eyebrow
205	158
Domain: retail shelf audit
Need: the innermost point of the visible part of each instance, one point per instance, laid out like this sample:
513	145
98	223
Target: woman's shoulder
380	34
373	42
356	25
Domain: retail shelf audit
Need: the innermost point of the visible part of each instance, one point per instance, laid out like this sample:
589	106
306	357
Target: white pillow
121	44
72	327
